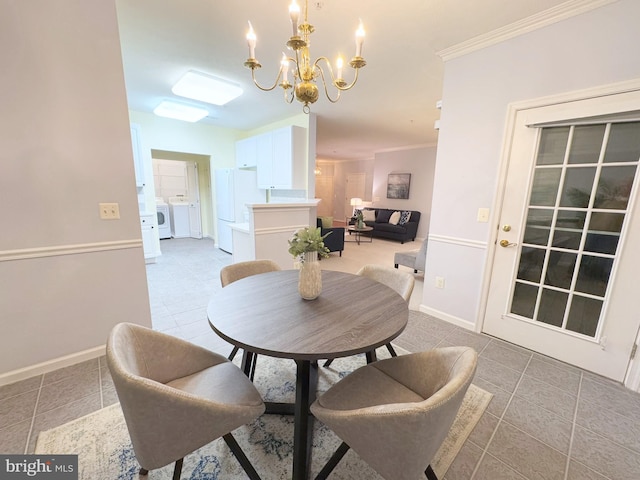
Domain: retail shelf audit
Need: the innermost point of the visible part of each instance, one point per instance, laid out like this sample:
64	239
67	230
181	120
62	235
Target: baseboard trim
460	322
51	365
57	250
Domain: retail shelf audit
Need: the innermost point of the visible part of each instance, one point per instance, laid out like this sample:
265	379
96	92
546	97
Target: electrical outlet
109	211
439	282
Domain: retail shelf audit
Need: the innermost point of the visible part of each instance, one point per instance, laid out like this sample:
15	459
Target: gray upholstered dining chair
415	259
396	413
236	271
177	397
401	282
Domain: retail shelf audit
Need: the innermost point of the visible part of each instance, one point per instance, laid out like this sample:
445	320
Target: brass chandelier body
305	72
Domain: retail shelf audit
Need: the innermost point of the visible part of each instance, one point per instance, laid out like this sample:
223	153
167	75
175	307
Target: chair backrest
401	282
237	271
398	418
421	257
166	416
441	376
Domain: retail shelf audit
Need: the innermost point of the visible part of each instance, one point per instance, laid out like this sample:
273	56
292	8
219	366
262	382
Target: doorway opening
185	178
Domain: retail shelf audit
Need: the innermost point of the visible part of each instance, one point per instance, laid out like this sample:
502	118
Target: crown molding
539	20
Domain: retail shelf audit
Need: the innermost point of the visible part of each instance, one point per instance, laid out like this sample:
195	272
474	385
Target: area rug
102	442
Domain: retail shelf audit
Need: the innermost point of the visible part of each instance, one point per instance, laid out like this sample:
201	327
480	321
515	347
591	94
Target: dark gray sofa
383	229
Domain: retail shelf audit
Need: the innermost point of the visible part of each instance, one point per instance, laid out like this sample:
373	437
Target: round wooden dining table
265	315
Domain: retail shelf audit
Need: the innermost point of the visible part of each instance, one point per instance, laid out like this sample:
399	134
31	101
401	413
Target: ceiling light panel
206	88
180	111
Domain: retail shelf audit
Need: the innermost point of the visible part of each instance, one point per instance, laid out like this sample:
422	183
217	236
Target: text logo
49	467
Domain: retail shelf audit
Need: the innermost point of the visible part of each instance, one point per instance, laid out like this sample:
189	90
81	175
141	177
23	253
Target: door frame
632	376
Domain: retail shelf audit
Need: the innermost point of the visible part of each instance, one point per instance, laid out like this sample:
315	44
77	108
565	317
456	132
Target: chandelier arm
324	82
355	79
333	80
289	98
265	89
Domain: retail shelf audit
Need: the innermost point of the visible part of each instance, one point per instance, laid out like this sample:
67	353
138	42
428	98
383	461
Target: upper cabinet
247	152
138	160
281	159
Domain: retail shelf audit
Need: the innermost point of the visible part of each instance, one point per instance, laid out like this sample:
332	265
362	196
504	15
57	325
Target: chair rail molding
457	241
58	250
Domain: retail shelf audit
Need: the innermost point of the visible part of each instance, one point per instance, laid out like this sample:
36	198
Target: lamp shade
355	202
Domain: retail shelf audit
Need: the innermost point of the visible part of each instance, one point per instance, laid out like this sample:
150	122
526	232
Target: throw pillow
394	218
327	222
383	216
369	215
404	217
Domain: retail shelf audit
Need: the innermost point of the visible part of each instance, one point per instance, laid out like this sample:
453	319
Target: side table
368	231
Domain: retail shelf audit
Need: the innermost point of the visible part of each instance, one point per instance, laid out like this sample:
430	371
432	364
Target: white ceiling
392	106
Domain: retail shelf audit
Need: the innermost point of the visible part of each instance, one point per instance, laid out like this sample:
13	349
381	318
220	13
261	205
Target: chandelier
305	72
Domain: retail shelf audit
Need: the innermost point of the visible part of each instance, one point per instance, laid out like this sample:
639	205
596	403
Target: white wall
592	49
66	277
420	163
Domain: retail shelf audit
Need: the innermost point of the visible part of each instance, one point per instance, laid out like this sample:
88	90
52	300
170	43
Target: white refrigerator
234	188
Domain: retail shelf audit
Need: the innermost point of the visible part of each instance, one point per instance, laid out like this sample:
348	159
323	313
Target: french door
566	261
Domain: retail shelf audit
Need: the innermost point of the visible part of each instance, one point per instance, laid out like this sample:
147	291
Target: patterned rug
102	442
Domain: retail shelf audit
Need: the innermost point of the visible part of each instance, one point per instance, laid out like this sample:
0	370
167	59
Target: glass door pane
578	201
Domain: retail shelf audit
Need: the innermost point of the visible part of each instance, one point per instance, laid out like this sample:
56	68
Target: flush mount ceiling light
308	74
206	88
180	111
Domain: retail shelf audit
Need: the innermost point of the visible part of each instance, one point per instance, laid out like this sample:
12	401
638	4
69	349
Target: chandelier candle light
305	72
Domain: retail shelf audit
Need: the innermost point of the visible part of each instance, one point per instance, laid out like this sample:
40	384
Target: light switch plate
483	215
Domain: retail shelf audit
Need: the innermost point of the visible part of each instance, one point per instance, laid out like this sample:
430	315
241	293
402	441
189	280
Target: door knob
506	243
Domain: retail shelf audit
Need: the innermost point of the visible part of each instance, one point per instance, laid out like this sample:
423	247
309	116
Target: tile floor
547	420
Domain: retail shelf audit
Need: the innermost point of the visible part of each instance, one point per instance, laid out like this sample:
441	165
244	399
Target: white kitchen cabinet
264	157
138	162
281	159
150	238
247	152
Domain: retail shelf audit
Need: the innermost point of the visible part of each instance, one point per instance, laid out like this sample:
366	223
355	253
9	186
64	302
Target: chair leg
177	470
253	366
233	352
395	265
333	461
327	363
391	350
242	458
144	471
431	475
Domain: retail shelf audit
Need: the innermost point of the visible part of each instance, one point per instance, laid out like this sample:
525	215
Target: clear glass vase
310	277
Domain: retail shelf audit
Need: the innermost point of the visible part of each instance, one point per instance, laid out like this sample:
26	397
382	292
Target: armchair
177	396
335	241
395	413
415	259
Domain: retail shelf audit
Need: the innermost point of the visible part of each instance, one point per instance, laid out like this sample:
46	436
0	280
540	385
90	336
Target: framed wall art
398	185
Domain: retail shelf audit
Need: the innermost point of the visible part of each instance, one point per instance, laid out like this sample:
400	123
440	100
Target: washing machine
179	220
164	222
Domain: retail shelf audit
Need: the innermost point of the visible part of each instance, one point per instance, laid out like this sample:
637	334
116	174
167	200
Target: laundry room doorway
185	178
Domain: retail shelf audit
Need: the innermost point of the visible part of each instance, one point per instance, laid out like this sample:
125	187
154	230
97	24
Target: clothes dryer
164	222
